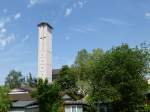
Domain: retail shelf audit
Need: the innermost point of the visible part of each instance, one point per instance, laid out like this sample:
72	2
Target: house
19	94
72	105
22	101
24	106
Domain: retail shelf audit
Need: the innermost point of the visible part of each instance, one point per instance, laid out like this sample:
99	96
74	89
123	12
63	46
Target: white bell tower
45	51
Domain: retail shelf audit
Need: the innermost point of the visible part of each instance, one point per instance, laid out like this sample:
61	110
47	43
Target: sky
78	24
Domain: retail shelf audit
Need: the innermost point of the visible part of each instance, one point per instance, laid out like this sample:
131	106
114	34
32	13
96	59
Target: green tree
116	75
48	96
14	79
83	67
68	82
66	79
4	99
119	77
30	81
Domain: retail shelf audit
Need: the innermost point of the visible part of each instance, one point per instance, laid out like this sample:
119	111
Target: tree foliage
14	79
47	96
31	81
66	79
4	99
116	75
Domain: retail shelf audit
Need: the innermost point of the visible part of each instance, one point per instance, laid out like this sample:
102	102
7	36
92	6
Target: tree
82	64
126	69
68	83
116	75
14	79
119	77
30	81
4	99
66	79
48	96
83	67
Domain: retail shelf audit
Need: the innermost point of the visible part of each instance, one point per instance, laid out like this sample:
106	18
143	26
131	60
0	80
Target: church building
45	51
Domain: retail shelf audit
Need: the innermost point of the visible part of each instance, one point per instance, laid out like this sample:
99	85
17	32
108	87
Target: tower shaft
45	52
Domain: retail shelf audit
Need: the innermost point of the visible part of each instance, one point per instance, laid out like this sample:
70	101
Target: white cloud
5	37
4	21
17	16
67	37
34	2
3	30
114	21
84	28
5	40
147	14
5	10
2	24
68	11
80	4
25	38
76	4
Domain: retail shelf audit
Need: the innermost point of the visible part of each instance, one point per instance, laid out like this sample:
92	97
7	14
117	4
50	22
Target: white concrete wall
45	53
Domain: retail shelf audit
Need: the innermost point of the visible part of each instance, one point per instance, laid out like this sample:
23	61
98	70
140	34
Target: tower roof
45	23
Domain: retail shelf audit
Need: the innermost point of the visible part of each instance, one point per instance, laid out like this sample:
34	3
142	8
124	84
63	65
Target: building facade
45	51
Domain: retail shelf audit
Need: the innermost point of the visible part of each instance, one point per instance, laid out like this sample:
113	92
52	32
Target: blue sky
77	24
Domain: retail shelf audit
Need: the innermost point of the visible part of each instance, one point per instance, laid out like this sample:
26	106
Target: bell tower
45	51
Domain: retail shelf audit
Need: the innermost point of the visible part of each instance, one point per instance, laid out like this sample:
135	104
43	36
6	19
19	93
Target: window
67	109
73	108
79	108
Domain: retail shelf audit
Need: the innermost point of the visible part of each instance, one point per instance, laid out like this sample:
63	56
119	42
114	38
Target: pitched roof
20	97
67	97
19	104
78	102
19	94
68	100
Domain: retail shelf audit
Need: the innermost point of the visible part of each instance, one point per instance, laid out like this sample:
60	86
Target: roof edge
45	23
